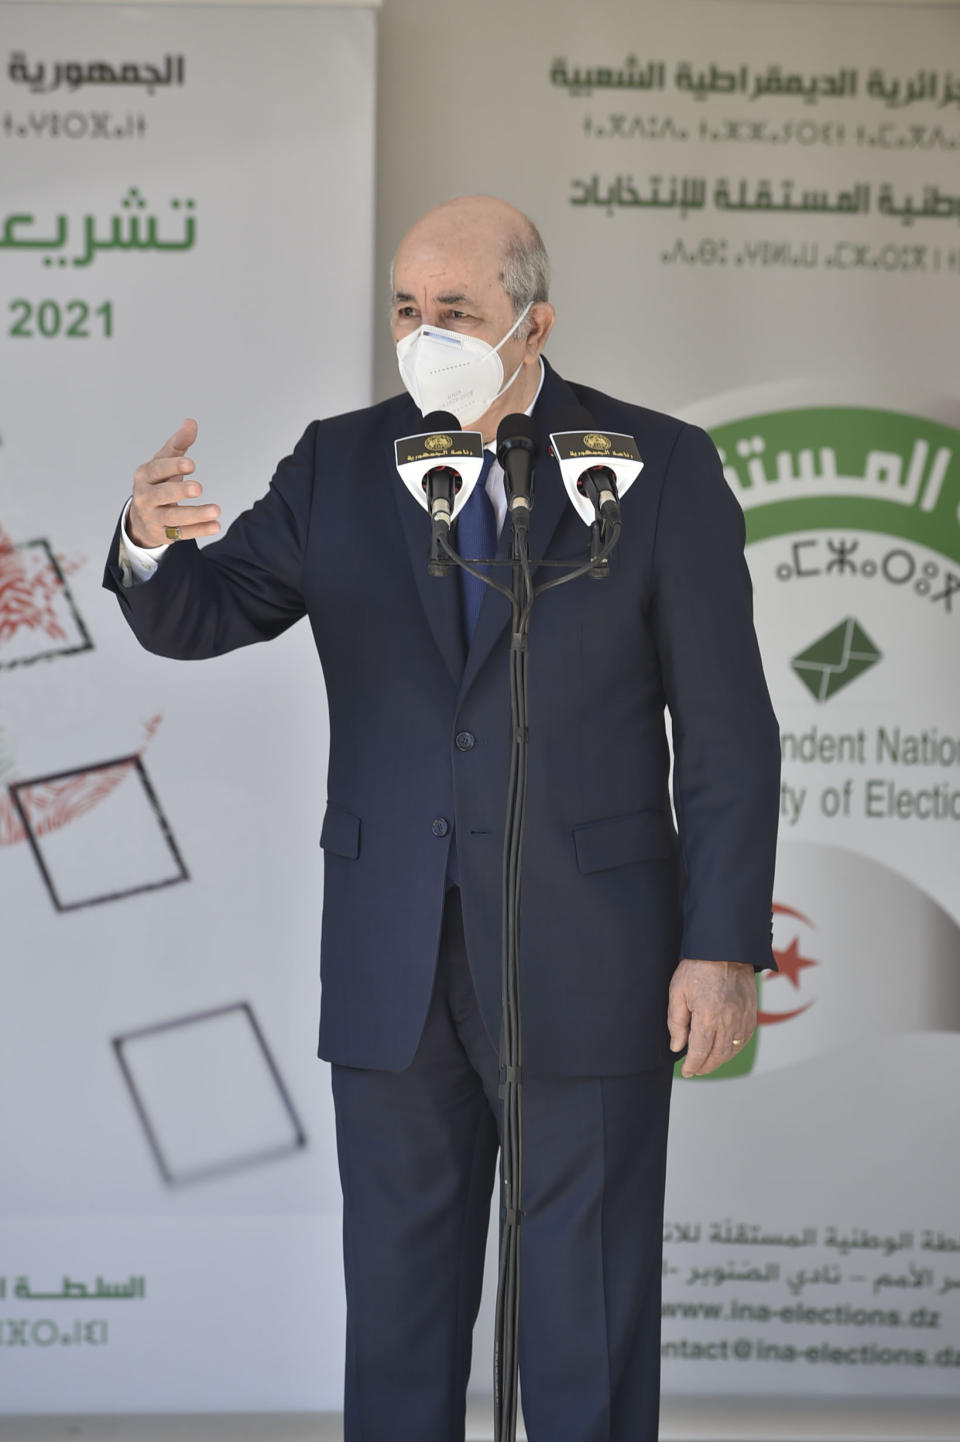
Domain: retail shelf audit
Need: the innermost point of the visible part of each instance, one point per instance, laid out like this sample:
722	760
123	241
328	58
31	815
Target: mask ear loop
510	332
507	384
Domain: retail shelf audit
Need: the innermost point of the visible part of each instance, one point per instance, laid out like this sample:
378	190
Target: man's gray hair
525	269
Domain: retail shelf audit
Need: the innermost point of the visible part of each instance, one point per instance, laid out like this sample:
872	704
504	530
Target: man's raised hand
161	486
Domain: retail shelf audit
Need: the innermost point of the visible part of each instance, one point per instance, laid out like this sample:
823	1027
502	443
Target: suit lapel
550	505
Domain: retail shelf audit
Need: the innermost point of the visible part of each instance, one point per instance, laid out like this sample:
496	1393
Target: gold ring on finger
172	533
737	1041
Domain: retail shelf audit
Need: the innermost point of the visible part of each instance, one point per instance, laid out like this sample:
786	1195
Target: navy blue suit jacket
611	898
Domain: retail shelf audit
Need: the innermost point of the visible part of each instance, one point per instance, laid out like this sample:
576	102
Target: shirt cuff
137	563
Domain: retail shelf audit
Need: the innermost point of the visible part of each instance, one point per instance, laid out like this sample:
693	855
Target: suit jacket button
465	740
440	826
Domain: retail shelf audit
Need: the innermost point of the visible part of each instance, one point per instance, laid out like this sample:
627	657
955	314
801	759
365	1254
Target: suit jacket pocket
619	840
341	832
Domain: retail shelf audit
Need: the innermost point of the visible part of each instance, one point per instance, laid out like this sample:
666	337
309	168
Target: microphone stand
506	1336
521	595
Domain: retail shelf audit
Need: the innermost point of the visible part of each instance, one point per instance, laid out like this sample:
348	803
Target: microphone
517	451
440	467
442	482
597	467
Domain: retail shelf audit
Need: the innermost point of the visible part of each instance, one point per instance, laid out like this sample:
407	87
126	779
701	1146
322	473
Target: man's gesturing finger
160	488
180	442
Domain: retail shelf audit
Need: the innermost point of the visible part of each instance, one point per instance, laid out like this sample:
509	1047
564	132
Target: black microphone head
516	432
440	421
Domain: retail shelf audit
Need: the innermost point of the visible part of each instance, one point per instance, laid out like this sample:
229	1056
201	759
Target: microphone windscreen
516	428
440	421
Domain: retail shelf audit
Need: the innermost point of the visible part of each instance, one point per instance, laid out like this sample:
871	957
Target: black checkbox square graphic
98	833
39	619
209	1094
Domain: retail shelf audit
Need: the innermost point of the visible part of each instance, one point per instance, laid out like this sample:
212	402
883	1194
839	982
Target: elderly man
635	943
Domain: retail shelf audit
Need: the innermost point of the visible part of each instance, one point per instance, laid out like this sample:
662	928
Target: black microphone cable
517	449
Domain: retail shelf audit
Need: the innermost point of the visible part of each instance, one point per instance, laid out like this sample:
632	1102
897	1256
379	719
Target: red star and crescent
790	964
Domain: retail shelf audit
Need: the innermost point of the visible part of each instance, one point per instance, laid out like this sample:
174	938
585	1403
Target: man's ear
541	317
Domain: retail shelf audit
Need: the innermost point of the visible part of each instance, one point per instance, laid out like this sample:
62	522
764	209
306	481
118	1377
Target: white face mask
446	371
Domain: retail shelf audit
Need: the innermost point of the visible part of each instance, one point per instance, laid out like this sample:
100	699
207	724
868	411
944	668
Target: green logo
845	467
836	659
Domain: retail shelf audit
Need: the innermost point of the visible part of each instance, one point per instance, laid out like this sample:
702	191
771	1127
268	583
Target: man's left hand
712	1012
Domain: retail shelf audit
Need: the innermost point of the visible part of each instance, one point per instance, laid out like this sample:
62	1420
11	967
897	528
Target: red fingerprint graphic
28	591
52	804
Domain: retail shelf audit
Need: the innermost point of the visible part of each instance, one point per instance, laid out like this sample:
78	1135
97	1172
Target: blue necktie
476	536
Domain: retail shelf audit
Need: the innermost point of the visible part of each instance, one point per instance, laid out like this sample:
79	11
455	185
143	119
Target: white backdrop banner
185	229
784	200
753	212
